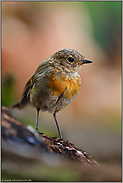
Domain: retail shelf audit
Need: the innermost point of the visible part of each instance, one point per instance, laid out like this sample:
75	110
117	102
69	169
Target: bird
55	83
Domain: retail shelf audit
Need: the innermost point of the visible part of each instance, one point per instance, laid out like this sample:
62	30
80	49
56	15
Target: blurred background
32	32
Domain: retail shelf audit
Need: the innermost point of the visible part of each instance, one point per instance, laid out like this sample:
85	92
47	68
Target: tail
16	105
22	103
25	97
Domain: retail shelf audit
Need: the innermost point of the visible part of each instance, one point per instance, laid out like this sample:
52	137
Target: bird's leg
37	119
54	114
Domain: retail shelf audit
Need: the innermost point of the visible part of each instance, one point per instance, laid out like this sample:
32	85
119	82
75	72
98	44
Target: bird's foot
38	131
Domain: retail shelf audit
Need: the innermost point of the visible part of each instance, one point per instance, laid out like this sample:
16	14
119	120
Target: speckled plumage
55	83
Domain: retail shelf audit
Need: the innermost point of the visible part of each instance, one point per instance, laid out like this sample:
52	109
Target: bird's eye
70	59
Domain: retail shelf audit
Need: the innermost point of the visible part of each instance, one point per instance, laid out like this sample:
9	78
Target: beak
87	61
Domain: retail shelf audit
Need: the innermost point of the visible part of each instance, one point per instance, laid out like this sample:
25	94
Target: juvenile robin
55	83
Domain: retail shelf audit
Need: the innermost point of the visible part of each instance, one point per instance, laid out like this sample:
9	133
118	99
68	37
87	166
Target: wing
33	80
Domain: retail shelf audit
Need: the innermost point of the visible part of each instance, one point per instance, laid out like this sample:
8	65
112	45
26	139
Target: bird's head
70	59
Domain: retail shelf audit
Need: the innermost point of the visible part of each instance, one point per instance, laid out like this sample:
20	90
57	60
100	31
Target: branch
19	140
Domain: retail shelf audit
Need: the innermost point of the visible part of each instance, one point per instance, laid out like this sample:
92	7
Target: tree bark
25	142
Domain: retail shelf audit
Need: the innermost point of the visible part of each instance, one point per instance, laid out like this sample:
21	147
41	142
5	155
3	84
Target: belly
56	93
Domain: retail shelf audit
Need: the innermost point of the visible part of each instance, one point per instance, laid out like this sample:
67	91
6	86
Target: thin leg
54	114
37	119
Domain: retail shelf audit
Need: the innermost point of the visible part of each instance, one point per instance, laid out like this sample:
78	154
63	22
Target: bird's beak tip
85	61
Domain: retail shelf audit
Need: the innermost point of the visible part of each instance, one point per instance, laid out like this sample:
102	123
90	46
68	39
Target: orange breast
56	85
70	86
73	88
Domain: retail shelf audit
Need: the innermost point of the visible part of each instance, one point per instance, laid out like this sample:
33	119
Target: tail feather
16	105
22	103
25	97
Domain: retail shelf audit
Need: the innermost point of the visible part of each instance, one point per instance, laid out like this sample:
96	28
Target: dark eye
71	59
